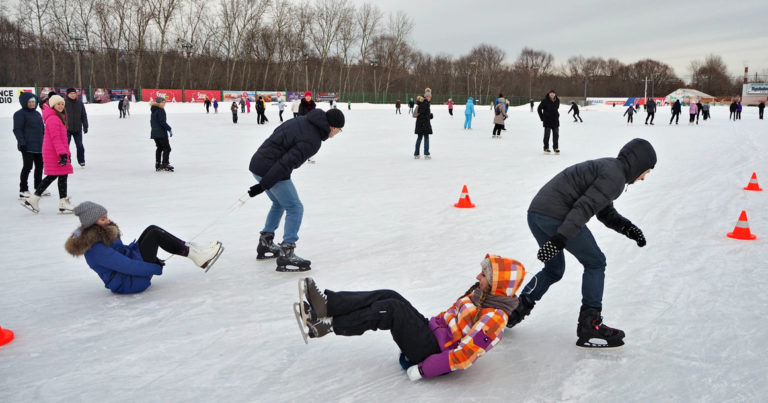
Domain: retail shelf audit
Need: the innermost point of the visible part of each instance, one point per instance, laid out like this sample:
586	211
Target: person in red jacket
450	341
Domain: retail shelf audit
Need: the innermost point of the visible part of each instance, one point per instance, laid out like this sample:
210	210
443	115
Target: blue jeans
426	144
467	121
582	246
78	135
284	199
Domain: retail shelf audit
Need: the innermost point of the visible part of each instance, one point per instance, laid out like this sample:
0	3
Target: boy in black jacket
557	218
289	146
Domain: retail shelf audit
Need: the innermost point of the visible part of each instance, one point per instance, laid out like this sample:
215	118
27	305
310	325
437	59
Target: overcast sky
674	32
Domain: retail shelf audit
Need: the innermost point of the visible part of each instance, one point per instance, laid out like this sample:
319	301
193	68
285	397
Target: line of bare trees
340	46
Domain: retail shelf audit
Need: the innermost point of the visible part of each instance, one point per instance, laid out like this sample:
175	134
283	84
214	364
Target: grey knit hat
89	212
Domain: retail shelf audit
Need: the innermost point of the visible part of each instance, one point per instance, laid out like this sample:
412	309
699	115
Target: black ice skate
267	248
312	294
288	258
310	324
592	333
523	309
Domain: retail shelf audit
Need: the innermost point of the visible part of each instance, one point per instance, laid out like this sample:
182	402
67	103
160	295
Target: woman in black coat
550	117
423	125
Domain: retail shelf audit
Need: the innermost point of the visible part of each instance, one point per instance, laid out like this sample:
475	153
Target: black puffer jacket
548	112
289	146
423	125
650	107
589	188
305	107
676	107
77	119
28	125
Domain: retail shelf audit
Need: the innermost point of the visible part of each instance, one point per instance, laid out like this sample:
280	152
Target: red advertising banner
169	95
200	95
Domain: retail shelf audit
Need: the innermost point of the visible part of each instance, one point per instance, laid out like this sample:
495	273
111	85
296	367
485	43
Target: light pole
533	68
77	40
186	49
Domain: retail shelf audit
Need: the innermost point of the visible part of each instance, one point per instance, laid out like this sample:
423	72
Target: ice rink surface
692	302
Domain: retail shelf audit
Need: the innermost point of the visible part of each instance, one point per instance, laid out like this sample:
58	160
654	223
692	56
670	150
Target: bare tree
236	18
191	31
139	20
534	63
368	24
348	37
162	12
325	28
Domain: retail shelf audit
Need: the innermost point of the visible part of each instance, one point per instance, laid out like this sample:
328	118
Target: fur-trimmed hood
83	239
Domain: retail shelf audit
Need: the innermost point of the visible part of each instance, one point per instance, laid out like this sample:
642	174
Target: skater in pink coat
56	156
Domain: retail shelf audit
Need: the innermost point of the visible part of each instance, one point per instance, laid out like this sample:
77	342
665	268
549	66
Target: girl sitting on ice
450	341
128	269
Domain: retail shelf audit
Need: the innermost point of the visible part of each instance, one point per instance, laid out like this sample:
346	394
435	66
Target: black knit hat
71	90
52	93
335	118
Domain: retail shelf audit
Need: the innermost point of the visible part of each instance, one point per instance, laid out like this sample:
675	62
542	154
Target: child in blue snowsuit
469	112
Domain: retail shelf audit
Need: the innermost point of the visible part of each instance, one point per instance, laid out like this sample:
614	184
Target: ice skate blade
598	343
65	212
296	312
29	207
286	269
265	257
207	266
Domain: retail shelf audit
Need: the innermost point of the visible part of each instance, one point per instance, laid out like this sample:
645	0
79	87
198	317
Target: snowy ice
692	302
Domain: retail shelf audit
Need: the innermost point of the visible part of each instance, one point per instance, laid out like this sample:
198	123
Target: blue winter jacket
470	108
28	125
119	266
160	127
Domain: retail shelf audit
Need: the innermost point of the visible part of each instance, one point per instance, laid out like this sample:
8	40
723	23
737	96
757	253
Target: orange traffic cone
753	183
464	201
5	336
742	228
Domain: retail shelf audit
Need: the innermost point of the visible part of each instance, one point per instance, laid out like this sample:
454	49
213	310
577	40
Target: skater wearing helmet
128	269
450	341
289	146
557	218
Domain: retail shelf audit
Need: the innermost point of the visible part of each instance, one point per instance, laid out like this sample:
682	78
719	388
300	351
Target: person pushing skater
450	341
290	145
557	217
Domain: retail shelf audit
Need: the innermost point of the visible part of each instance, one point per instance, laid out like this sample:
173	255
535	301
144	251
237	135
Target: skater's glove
414	373
170	133
22	147
85	130
551	248
62	160
632	232
255	190
404	362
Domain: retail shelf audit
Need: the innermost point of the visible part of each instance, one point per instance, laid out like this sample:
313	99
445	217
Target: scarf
506	304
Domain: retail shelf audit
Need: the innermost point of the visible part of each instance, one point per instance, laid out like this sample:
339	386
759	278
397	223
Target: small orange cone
742	229
753	183
464	201
5	336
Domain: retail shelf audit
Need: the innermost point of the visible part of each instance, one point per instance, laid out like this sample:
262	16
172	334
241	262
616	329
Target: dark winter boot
593	333
288	258
523	309
167	167
158	166
267	248
315	297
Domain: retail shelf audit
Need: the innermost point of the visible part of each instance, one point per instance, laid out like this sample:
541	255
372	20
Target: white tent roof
681	93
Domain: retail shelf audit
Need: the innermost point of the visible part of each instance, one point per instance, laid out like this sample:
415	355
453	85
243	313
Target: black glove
632	232
254	190
431	116
22	147
63	160
160	262
85	130
551	248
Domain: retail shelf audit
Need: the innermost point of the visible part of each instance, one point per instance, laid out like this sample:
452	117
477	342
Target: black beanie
52	93
71	90
335	118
